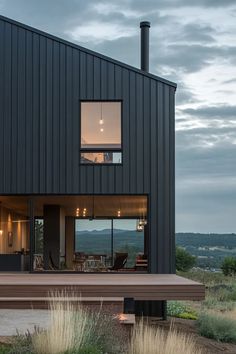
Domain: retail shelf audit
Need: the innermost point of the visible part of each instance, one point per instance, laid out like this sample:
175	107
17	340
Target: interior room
14	234
85	233
91	233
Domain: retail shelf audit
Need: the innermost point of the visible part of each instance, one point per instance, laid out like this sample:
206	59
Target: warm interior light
101	121
140	227
1	232
101	130
118	213
84	212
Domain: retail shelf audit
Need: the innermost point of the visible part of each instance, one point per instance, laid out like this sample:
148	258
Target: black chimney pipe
145	25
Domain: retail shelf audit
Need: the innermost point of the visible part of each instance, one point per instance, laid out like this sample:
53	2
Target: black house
87	156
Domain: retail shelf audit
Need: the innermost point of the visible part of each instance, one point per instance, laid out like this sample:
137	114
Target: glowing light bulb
101	130
101	121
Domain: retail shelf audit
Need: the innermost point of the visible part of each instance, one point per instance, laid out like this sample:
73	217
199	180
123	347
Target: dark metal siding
41	84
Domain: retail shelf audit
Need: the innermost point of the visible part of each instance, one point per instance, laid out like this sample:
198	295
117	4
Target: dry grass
68	327
147	339
223	314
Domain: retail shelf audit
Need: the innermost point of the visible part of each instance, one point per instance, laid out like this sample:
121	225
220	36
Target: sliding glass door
93	236
127	239
99	244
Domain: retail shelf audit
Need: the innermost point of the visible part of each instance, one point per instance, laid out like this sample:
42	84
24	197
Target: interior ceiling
97	206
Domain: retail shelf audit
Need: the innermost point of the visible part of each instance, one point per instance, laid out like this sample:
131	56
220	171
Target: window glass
100	125
93	237
128	240
101	157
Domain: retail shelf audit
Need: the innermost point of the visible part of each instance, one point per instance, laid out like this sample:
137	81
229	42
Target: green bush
175	308
217	327
87	350
180	310
189	315
184	260
229	266
5	349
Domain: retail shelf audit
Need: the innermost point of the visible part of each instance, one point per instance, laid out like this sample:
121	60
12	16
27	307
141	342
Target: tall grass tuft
69	327
147	339
76	329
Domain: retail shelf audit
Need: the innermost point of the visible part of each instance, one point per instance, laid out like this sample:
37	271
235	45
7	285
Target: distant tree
228	266
184	260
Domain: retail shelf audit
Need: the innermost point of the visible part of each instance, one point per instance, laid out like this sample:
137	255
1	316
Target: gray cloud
207	3
230	81
211	112
193	57
195	32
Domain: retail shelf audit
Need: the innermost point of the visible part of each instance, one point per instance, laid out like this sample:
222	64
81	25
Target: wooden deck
26	288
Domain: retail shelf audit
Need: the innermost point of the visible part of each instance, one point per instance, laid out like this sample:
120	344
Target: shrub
229	266
90	349
184	260
180	310
189	315
175	308
152	340
5	349
217	327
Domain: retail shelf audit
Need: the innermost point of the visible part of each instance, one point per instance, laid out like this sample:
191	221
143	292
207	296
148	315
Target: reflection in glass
93	236
101	157
128	239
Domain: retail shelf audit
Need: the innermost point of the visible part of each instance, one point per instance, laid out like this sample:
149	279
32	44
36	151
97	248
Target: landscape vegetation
192	327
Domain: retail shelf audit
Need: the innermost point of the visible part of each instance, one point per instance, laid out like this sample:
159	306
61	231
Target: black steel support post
129	305
32	232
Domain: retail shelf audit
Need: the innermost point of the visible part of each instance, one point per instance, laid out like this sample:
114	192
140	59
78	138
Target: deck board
137	286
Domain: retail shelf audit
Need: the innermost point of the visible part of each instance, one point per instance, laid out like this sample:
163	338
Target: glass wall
109	244
93	236
128	240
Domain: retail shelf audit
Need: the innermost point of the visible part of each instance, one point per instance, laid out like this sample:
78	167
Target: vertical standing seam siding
2	104
42	83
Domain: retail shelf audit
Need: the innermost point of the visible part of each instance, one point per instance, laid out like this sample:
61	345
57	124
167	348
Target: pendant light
101	121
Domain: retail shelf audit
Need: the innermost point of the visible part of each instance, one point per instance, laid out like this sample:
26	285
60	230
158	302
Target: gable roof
88	51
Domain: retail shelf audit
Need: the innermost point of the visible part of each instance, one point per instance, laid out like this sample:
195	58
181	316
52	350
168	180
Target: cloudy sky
193	44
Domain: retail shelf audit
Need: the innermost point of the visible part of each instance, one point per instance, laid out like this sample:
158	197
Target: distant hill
210	249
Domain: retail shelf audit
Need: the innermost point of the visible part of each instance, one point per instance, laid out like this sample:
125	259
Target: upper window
101	132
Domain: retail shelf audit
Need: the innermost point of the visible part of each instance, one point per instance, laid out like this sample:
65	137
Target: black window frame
94	150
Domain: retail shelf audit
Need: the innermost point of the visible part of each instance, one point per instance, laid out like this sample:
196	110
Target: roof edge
88	51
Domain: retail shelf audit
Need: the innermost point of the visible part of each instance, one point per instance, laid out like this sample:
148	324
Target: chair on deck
79	261
120	261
